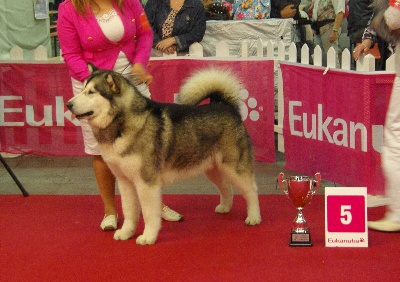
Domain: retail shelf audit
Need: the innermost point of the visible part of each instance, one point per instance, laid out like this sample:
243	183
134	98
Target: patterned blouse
168	25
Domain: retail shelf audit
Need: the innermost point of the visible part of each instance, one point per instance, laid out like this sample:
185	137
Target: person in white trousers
391	146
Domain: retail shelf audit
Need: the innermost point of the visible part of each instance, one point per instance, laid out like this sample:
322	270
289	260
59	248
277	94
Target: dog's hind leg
246	184
130	209
150	200
225	189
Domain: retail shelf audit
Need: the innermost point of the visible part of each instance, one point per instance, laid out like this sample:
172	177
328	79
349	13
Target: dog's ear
92	67
112	82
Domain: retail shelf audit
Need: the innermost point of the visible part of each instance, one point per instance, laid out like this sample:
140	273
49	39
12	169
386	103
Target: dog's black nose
69	105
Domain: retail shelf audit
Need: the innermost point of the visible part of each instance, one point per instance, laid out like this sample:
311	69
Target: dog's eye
91	92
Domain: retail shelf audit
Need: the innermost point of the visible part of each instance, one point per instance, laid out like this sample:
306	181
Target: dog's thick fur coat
148	144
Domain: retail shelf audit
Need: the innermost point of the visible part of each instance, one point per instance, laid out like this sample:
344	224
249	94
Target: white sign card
346	217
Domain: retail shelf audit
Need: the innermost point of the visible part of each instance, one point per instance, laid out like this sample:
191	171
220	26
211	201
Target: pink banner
333	124
34	119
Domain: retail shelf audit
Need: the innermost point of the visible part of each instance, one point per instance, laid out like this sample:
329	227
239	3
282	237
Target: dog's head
100	100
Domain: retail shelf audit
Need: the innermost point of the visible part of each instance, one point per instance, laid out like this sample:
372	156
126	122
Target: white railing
277	51
195	50
269	49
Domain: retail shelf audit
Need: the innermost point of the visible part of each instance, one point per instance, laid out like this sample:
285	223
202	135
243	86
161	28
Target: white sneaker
385	225
109	223
170	215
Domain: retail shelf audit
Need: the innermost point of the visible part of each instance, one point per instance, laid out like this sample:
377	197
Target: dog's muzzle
70	106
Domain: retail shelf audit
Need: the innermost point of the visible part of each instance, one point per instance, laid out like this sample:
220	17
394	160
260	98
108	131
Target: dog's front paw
146	240
222	208
121	234
253	220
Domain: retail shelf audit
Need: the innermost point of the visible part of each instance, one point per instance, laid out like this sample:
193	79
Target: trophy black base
300	240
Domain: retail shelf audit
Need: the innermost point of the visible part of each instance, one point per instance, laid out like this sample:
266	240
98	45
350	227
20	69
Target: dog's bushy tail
220	85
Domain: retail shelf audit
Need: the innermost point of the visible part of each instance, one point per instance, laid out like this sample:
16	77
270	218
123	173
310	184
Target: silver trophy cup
300	189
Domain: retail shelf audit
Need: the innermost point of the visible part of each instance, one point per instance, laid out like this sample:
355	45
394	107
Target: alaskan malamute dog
148	144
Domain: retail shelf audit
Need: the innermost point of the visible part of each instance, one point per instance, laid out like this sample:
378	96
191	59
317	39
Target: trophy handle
280	183
317	181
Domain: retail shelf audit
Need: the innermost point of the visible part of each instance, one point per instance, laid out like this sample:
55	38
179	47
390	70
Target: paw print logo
248	106
362	240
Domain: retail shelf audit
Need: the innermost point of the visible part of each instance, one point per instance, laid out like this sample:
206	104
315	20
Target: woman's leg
106	185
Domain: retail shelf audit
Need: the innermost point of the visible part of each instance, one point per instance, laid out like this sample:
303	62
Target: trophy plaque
300	189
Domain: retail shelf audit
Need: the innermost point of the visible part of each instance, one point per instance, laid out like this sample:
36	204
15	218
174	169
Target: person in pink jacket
111	34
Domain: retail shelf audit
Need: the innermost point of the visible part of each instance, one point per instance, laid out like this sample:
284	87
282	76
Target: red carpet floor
57	238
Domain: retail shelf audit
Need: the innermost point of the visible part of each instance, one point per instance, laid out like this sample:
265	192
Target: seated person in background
176	24
251	9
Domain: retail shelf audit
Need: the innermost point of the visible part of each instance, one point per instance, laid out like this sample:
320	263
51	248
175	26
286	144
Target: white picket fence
277	51
270	49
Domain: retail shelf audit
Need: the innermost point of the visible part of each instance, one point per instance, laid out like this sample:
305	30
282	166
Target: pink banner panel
34	119
333	124
33	116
